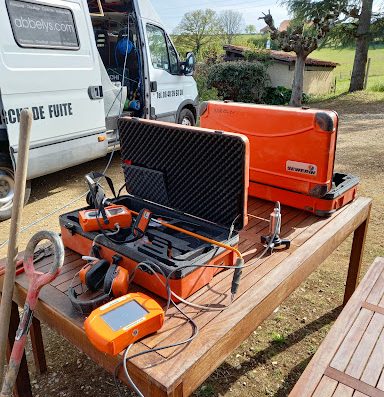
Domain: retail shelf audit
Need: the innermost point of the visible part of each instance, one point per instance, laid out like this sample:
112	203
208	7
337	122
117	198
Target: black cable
195	330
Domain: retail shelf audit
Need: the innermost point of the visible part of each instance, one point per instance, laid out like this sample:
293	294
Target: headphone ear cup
120	282
108	280
95	276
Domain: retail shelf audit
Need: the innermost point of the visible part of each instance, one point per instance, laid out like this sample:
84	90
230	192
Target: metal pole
13	247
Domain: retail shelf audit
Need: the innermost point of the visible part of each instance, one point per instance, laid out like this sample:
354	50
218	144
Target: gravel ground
270	361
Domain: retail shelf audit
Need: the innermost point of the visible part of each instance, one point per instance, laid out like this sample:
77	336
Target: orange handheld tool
123	321
92	220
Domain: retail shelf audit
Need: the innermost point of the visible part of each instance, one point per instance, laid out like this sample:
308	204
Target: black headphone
111	279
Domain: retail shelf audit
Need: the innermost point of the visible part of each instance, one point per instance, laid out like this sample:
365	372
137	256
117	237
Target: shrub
259	55
277	95
200	75
239	81
280	96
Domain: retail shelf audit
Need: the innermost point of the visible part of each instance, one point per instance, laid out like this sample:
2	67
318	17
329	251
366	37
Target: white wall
317	80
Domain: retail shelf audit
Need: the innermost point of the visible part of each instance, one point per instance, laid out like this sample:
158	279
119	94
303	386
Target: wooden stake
367	73
13	246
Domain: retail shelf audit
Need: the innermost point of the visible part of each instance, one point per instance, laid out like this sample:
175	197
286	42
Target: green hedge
239	81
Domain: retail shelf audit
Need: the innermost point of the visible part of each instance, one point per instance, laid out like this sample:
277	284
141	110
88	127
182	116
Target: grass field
345	58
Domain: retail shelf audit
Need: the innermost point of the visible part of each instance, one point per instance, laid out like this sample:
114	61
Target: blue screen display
124	315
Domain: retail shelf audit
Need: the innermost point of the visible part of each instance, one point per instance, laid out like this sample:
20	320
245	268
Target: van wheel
7	187
186	117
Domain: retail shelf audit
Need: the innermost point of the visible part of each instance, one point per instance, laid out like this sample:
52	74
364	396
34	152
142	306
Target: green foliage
257	55
278	338
197	29
206	390
260	41
304	10
239	81
250	29
200	75
280	96
277	95
377	87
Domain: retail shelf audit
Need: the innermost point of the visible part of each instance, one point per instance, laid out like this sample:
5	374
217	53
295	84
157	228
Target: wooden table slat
351	341
325	388
366	345
343	391
380	384
375	365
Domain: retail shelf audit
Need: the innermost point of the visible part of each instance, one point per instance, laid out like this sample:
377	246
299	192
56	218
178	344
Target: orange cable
198	236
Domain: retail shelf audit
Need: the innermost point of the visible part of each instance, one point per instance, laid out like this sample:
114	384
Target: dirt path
274	356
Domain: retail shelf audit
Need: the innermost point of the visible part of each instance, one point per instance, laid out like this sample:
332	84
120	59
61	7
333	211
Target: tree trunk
362	46
298	80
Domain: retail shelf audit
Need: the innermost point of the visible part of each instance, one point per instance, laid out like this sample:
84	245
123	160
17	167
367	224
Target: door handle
153	86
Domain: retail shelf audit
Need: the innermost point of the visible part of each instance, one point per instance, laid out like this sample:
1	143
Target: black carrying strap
97	193
98	175
87	306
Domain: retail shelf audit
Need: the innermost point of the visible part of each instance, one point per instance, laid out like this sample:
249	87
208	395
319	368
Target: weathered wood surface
264	285
350	361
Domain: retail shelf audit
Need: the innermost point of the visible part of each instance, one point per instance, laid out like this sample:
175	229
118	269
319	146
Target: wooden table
264	286
350	361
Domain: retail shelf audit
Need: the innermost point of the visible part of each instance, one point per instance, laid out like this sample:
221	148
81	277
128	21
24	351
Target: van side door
170	89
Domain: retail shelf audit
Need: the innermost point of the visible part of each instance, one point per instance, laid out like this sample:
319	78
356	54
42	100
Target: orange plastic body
144	220
315	205
183	287
290	148
116	214
111	341
120	281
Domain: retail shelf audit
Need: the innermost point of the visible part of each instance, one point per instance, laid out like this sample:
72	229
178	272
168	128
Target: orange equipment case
192	177
292	153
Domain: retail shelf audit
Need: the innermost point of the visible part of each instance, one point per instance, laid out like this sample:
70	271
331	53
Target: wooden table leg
38	346
23	384
355	260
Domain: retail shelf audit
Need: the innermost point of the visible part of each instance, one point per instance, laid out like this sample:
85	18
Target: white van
79	66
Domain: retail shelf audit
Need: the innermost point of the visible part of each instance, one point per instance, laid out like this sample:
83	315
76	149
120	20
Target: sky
172	11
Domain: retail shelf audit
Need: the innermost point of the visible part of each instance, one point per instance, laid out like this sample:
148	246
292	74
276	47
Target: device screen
124	315
115	211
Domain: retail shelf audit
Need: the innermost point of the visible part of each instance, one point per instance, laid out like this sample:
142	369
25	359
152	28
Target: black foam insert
143	182
204	170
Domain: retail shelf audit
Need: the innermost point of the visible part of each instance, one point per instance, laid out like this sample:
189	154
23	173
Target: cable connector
236	278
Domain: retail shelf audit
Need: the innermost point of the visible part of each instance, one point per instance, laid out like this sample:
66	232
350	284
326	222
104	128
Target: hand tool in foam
18	204
37	280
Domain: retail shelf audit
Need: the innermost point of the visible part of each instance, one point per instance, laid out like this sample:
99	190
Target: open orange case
292	153
194	178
